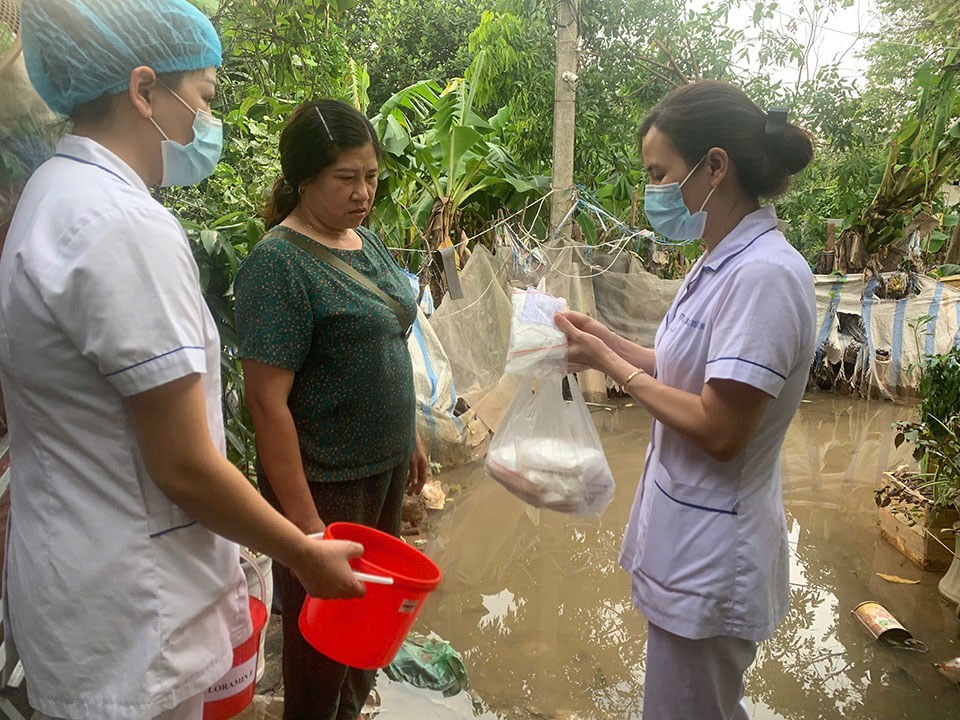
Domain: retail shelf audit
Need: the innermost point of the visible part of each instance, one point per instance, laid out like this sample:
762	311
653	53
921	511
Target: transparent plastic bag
537	348
547	451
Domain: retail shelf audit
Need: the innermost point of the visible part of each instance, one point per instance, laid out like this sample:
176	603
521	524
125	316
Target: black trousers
316	687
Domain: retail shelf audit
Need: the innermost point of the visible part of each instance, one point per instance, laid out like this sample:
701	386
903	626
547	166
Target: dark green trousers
314	686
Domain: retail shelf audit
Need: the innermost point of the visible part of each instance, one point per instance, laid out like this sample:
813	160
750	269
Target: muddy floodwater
540	611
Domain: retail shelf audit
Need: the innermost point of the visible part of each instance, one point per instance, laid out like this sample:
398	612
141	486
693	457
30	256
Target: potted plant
935	437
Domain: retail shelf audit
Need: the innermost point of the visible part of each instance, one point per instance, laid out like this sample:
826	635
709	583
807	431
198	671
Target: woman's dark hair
313	138
711	113
100	107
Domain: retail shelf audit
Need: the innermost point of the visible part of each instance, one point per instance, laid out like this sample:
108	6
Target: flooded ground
541	613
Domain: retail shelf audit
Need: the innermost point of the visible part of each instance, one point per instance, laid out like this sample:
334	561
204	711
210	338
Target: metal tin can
884	626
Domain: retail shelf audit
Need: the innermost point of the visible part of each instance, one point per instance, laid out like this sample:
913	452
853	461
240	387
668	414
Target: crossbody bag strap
315	248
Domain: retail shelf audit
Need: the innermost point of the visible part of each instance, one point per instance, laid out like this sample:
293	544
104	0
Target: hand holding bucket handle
325	570
362	576
367	633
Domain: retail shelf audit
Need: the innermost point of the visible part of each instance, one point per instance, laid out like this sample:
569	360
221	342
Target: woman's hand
324	569
587	324
586	347
419	469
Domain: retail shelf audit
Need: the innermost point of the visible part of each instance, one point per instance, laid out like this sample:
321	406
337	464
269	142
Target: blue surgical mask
189	164
668	213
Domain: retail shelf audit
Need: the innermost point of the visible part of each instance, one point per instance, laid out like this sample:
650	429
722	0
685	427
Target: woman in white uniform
706	544
123	597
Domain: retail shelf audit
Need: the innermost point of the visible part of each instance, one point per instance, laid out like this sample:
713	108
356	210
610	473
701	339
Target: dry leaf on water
897	579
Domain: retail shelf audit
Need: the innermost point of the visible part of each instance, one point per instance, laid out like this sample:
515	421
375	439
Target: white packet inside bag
537	347
548	453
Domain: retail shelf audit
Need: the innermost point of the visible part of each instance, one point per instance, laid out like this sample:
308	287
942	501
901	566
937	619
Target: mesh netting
9	29
10	14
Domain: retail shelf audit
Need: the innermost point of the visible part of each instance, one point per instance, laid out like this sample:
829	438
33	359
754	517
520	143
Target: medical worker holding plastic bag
122	597
706	544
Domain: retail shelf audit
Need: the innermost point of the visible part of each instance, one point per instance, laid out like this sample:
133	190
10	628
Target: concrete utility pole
564	112
592	383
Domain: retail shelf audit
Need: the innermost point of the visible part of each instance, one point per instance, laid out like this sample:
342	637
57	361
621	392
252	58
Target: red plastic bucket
366	633
234	691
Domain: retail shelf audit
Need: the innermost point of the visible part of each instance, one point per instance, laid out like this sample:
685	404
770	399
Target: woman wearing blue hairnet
123	600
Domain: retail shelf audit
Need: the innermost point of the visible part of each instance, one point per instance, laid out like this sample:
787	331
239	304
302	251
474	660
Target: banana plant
442	159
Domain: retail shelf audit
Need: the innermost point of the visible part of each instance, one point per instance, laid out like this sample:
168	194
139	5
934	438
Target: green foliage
513	67
276	55
208	6
939	388
286	48
837	185
936	436
948	270
926	22
442	159
402	42
924	153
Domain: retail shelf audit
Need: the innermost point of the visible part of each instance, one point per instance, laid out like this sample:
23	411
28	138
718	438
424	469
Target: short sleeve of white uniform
125	289
759	335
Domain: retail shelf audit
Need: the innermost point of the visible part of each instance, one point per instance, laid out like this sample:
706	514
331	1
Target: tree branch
671	59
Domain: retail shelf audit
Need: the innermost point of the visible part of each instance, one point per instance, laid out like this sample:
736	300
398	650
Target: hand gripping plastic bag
548	453
537	348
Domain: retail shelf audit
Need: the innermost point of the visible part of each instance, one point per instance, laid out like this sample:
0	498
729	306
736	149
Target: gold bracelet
630	377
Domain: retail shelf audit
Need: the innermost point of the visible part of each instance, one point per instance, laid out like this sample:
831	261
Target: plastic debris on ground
429	662
950	669
434	495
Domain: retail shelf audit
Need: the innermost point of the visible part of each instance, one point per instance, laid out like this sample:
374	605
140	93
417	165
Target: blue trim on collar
691	286
117	175
728	258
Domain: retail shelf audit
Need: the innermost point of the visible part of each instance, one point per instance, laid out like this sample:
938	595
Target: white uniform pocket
691	537
163	515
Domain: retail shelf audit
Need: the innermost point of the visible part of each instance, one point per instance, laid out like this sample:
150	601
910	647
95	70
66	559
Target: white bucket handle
362	576
245	555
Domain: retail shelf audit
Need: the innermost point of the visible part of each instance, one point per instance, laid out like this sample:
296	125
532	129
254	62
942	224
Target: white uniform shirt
119	604
706	543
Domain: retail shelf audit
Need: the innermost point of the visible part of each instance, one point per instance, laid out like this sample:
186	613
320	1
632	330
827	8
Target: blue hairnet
78	50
